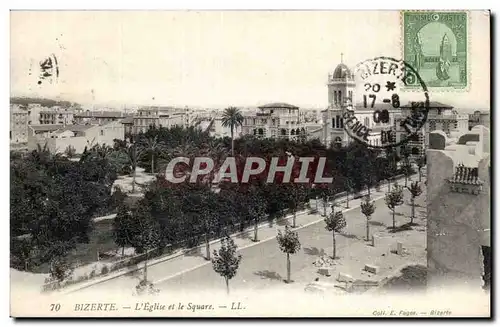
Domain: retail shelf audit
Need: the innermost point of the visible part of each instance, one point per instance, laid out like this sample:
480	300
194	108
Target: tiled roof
281	105
51	128
128	120
432	104
100	114
46	128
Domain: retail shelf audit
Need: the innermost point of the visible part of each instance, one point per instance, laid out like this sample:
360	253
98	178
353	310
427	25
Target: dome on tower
342	71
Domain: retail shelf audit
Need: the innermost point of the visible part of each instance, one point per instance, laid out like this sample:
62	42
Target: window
337	121
340	97
335	97
10	135
102	132
341	122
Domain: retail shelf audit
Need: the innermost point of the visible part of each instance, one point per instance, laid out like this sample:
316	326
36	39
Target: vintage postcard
250	164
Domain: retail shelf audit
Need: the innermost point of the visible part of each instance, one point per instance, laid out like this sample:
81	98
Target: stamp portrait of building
435	44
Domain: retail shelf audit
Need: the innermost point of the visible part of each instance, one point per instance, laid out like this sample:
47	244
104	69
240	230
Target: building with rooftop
167	117
275	120
479	118
19	118
97	117
440	116
59	137
55	115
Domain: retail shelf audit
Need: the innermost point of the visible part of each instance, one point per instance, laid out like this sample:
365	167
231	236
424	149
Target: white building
276	120
18	124
159	117
441	117
218	130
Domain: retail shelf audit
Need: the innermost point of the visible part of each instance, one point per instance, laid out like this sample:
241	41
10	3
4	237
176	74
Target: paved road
263	264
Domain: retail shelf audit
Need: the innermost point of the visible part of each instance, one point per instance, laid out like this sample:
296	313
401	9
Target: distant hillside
43	102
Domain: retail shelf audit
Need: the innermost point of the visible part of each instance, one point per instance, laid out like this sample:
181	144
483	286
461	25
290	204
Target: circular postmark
382	121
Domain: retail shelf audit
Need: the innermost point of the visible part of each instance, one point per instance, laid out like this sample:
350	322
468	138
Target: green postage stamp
435	44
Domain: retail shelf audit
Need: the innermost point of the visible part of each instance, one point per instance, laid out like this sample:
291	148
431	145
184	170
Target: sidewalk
162	269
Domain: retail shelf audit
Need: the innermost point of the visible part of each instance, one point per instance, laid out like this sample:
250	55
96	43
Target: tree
22	252
60	270
406	169
53	201
226	261
289	243
368	208
151	146
393	199
298	196
349	187
145	287
147	236
201	205
257	210
326	192
420	165
232	118
335	222
134	153
70	151
124	228
415	191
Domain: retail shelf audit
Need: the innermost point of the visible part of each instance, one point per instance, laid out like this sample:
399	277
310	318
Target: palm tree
134	153
232	118
152	146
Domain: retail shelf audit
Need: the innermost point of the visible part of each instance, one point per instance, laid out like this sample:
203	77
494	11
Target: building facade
59	137
275	120
56	115
19	118
216	128
167	117
97	117
440	116
479	118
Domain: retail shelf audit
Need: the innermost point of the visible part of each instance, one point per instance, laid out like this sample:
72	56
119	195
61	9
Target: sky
213	59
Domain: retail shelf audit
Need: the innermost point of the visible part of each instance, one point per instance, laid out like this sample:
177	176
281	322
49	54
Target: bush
70	151
104	270
145	287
